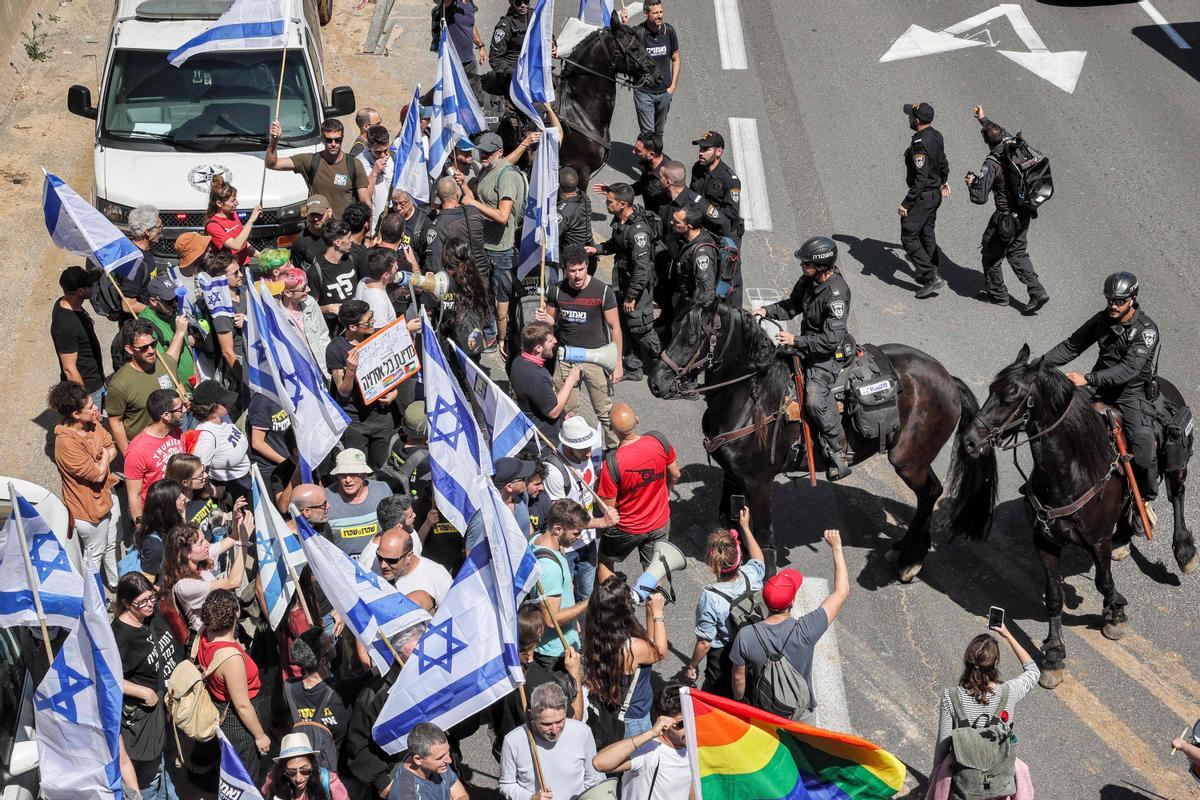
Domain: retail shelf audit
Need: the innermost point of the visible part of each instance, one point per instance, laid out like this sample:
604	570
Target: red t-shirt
222	229
146	458
642	497
216	684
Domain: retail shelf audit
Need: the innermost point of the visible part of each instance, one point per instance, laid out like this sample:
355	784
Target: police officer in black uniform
507	38
574	211
1007	233
1124	375
716	183
648	151
925	172
822	300
693	275
632	247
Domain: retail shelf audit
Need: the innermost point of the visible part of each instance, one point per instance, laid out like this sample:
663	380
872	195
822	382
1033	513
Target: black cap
72	279
922	111
512	469
710	139
210	392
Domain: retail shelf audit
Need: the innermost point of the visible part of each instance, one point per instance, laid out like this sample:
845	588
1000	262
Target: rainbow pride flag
739	752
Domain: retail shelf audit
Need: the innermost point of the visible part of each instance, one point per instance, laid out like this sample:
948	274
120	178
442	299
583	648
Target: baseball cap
464	144
780	589
710	139
210	392
316	204
922	111
163	287
72	279
489	143
414	422
577	434
190	246
512	469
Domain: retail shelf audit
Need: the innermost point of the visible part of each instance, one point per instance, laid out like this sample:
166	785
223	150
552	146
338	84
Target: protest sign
386	360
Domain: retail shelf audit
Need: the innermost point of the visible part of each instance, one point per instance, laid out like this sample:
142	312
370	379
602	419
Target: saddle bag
872	387
1177	441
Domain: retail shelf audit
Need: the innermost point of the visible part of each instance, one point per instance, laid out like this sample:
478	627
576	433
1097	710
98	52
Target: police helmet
1120	286
820	251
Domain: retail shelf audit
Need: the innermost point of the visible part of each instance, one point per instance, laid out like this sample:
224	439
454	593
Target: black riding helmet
1120	286
820	251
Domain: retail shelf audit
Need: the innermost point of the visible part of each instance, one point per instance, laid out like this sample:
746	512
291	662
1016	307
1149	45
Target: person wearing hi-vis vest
353	520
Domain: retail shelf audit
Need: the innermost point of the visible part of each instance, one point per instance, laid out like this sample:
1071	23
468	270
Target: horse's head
629	55
714	339
1023	391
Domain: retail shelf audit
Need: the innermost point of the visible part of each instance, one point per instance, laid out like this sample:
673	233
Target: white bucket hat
577	434
295	745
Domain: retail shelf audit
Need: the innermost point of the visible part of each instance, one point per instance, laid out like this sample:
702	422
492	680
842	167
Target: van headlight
115	212
289	213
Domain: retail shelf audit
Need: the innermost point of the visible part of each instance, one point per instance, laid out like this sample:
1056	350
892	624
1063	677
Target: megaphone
435	283
605	357
666	559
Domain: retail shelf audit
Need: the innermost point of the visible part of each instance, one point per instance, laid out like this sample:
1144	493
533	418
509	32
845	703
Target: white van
163	132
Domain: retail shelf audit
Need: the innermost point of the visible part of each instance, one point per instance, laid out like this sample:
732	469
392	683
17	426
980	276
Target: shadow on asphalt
620	158
1187	60
883	261
1128	791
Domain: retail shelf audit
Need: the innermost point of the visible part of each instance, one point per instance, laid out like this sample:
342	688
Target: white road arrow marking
1060	68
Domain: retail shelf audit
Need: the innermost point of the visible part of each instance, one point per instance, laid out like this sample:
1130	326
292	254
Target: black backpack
1030	183
319	735
105	300
610	458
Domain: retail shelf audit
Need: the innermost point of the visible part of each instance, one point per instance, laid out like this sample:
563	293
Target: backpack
984	758
106	301
188	702
1030	183
779	687
132	560
745	608
319	735
610	458
347	167
729	265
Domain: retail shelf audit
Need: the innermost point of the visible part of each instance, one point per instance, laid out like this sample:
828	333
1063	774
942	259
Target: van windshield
215	101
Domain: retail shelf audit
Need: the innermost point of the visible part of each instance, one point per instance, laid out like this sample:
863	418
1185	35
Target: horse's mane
761	354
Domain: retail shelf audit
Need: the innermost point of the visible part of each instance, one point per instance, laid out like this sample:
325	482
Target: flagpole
29	573
278	101
550	613
128	309
284	552
574	472
537	761
388	642
542	280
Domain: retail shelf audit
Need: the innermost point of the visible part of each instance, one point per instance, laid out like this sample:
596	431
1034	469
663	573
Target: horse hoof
1114	631
1120	553
1051	678
892	555
910	572
1191	565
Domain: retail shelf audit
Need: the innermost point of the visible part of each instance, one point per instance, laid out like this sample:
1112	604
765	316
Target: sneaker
930	289
1035	304
986	296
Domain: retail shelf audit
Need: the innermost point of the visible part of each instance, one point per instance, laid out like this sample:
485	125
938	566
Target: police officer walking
1007	233
1124	374
716	183
632	248
925	172
821	299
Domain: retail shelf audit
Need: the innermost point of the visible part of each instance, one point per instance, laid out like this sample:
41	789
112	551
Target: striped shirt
1018	687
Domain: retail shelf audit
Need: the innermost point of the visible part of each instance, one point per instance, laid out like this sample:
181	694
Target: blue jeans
583	566
633	727
652	111
161	788
98	398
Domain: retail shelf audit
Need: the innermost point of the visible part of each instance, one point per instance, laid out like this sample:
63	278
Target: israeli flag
457	450
532	82
596	12
514	566
456	112
39	561
508	425
410	171
276	548
77	707
77	227
216	294
541	210
280	365
371	607
247	25
235	782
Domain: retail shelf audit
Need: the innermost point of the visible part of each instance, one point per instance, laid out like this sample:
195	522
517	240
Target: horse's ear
1023	356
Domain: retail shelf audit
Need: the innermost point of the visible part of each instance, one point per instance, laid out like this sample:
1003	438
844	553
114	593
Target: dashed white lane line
729	34
747	161
832	713
1167	27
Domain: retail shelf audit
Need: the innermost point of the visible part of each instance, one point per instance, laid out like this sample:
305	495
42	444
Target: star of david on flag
273	542
48	570
510	429
439	638
456	112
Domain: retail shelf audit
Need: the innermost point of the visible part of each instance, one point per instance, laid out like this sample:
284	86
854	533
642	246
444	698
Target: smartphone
736	503
995	617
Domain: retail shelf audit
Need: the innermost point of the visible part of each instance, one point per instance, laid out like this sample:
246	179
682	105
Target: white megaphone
436	283
605	357
666	559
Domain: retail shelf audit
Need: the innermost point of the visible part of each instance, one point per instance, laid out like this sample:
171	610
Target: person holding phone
736	560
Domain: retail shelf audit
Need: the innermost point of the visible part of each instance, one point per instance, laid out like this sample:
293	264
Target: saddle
1173	425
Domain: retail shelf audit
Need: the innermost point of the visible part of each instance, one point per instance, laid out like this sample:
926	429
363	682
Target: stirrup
838	468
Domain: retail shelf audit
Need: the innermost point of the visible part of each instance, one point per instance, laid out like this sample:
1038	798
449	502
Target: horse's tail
973	481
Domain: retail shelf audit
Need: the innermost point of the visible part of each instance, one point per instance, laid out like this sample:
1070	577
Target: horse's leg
1054	652
1182	544
1114	602
912	549
758	500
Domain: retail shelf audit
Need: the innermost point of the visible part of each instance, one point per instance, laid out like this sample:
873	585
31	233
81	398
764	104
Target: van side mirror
24	757
342	102
79	101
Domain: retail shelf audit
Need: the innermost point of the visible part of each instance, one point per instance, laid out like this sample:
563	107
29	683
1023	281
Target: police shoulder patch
703	263
641	239
498	35
837	308
918	160
1148	336
430	235
712	212
735	195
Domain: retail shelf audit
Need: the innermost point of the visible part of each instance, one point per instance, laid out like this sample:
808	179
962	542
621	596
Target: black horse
1076	491
587	95
748	386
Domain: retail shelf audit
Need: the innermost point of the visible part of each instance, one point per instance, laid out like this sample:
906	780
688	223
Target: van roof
166	24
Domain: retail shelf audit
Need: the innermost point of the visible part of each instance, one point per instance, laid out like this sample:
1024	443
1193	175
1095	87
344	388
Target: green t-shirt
166	332
130	389
557	581
500	183
332	180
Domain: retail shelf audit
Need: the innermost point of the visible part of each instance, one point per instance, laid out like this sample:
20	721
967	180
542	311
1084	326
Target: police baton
806	432
1126	463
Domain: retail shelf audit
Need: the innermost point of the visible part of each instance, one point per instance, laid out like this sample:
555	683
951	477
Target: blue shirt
475	529
712	609
557	581
408	785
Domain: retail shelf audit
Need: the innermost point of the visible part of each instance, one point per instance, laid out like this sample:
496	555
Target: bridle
615	77
1012	425
705	357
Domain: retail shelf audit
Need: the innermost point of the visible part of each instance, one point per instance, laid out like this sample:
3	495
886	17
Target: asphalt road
831	134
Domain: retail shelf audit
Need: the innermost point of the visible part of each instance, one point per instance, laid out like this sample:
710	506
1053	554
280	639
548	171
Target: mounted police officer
822	301
713	180
507	38
1124	375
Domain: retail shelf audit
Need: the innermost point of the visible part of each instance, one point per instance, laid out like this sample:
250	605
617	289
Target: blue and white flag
45	565
235	782
514	566
541	209
370	606
508	425
457	450
280	365
410	171
456	111
78	227
532	82
276	547
247	25
596	12
216	294
77	708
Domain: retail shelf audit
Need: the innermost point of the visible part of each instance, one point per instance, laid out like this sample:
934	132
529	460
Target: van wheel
325	11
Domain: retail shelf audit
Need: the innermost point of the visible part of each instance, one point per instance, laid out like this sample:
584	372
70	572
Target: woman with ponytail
735	577
222	224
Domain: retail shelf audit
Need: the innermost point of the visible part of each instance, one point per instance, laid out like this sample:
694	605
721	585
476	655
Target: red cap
780	590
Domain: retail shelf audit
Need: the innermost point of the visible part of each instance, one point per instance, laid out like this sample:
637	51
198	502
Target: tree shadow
1157	39
885	261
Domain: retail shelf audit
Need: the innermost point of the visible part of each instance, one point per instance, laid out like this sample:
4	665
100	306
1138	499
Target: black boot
837	454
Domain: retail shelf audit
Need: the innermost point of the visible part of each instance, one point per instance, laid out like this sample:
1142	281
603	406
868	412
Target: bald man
309	500
636	480
408	572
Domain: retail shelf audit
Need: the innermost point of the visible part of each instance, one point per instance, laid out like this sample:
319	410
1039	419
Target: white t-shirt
674	773
367	556
224	449
378	300
428	576
383	184
580	493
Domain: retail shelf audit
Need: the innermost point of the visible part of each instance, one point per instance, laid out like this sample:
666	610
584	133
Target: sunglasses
678	726
332	140
298	771
318	505
143	347
394	561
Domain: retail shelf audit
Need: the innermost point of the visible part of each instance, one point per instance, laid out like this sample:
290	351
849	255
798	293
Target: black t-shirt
225	324
267	415
333	713
332	283
335	358
580	320
660	47
306	248
539	507
73	332
151	552
533	390
358	257
149	654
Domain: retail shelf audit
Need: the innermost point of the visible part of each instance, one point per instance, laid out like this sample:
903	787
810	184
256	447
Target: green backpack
984	757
